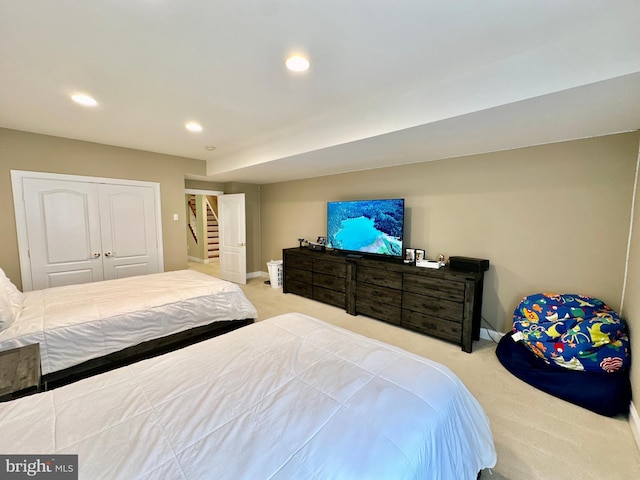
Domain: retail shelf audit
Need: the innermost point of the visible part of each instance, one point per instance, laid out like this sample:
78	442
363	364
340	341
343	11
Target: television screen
366	226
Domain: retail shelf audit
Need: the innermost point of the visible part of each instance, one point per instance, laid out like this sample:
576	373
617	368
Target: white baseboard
257	274
492	335
198	260
634	423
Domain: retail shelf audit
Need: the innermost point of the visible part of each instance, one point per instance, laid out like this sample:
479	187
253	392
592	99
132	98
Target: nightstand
19	372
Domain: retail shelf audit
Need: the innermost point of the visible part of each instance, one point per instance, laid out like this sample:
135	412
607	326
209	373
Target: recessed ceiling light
211	148
297	63
193	127
84	100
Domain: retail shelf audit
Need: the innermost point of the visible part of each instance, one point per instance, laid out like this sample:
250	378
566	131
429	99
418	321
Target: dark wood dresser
443	303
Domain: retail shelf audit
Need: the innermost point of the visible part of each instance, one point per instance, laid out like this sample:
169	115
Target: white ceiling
390	82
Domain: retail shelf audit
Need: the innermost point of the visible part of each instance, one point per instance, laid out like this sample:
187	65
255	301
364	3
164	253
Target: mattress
77	323
289	397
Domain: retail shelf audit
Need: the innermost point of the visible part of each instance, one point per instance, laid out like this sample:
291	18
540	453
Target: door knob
96	255
107	254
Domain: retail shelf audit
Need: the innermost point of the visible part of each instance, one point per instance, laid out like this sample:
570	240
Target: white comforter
76	323
287	398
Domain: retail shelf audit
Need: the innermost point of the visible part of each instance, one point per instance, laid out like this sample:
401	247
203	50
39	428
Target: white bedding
286	398
76	323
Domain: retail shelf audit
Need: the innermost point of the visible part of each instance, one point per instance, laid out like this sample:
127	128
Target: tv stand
439	302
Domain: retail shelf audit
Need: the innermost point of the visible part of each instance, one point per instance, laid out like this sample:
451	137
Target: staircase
213	240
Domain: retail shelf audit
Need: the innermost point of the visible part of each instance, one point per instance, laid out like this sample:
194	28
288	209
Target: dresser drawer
379	309
298	261
382	278
299	288
329	281
437	327
434	287
330	268
374	292
433	306
331	297
297	275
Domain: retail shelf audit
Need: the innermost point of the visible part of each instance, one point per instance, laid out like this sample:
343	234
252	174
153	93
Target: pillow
16	297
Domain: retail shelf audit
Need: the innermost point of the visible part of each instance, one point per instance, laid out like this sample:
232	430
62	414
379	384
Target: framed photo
322	240
409	255
420	255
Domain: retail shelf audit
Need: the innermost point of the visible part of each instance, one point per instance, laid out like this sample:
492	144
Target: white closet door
83	229
63	223
128	230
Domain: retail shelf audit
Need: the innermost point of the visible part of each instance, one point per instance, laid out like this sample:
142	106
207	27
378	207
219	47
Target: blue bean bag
573	347
607	394
572	331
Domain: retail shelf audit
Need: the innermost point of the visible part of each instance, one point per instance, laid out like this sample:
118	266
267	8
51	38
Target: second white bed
291	397
77	323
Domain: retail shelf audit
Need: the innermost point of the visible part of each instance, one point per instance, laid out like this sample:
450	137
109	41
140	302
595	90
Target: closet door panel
63	224
128	230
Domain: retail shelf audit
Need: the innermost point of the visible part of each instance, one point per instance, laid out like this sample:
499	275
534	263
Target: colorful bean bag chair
573	331
573	347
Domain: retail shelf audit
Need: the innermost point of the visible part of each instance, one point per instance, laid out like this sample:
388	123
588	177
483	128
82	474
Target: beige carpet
537	436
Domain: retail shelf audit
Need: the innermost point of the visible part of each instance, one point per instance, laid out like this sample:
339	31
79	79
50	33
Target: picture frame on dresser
409	255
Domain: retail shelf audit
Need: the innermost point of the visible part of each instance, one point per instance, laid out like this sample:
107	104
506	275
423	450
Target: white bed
291	397
77	323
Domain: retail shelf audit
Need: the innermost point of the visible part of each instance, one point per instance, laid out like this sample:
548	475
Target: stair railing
193	220
210	207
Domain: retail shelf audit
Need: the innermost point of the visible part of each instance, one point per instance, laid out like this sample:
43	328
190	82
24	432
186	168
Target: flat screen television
368	227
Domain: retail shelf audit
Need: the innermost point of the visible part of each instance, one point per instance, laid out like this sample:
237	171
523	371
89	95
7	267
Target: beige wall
549	218
202	185
42	153
631	301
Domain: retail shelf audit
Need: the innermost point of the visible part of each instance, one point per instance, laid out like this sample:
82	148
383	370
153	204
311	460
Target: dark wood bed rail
141	351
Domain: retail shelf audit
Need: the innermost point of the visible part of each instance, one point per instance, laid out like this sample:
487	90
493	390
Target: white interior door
233	238
63	223
128	230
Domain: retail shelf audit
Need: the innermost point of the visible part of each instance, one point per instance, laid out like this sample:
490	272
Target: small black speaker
467	264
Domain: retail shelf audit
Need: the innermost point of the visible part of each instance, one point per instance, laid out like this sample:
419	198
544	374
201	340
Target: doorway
216	234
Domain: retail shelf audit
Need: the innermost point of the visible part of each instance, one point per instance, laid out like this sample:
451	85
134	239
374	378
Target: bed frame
141	351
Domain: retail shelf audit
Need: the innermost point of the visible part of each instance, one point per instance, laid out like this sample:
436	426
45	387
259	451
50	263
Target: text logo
50	467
